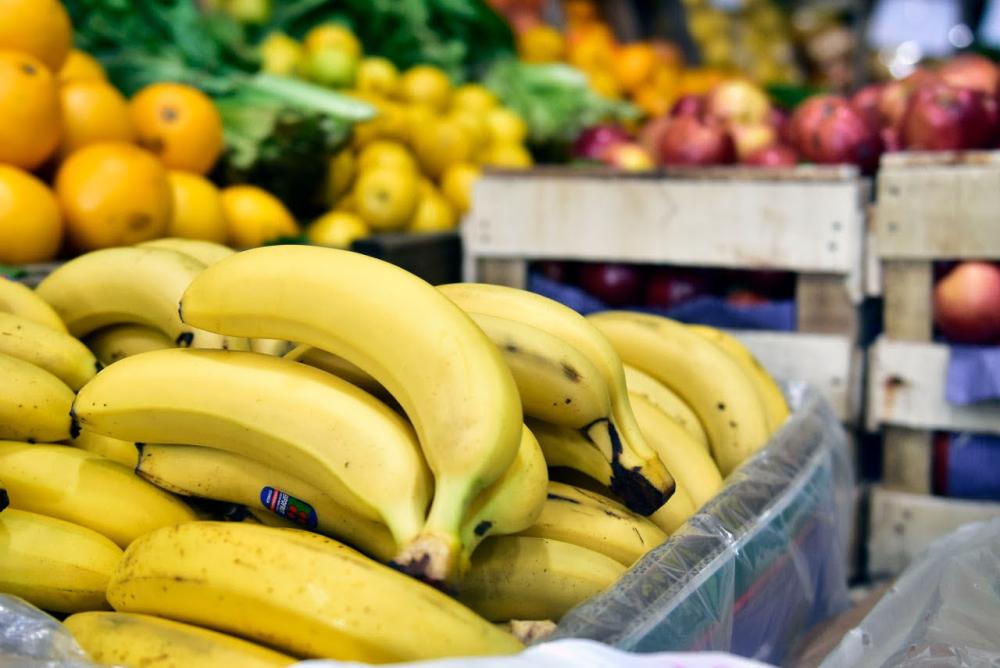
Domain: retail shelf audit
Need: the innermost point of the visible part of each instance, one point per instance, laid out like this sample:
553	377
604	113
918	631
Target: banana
568	448
518	577
247	579
638	477
144	641
775	406
700	372
54	564
122	452
674	512
338	366
448	377
206	252
57	352
129	285
4	498
689	463
21	300
34	404
209	473
641	383
599	524
116	342
288	416
86	489
274	347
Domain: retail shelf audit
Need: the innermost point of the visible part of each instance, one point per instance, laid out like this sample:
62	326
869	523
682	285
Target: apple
667	288
777	155
967	303
895	96
751	137
594	141
866	102
614	284
971	71
737	101
779	118
689	141
688	105
827	130
651	134
943	117
628	156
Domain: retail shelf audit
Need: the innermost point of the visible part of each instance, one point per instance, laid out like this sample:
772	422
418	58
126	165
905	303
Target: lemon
331	67
340	174
377	75
347	203
473	97
434	214
507	155
506	126
456	185
474	125
280	54
255	216
383	153
338	229
416	118
197	212
440	145
386	198
332	36
424	84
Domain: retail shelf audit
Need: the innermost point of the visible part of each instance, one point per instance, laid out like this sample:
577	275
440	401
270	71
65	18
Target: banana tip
636	491
431	558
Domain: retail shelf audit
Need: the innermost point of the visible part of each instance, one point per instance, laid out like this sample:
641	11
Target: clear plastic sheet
29	638
943	611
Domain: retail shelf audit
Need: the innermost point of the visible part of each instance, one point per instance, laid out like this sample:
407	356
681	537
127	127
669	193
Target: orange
441	144
378	76
541	44
92	111
424	84
634	65
580	11
180	124
386	198
652	101
255	216
31	227
457	183
603	82
81	65
38	27
384	153
332	36
29	110
113	194
591	47
338	229
197	211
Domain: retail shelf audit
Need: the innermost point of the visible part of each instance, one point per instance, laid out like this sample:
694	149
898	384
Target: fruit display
461	464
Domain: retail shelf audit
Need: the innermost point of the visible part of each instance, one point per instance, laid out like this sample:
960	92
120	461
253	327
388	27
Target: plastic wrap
29	638
943	611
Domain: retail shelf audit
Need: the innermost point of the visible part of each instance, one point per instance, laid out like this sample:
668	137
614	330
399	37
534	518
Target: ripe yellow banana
209	473
57	352
4	498
700	372
123	452
674	512
519	577
311	424
116	342
86	489
299	592
596	523
689	463
638	476
144	641
129	285
563	447
206	252
448	377
775	406
338	366
641	383
21	300
34	404
54	564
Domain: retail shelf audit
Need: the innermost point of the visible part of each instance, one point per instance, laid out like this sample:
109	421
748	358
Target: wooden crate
807	220
930	206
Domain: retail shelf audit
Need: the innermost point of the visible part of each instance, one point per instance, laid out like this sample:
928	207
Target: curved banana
338	366
4	498
57	352
596	523
288	416
209	473
21	300
144	641
86	489
568	448
34	404
775	406
247	579
641	383
122	452
129	285
639	478
448	377
116	342
700	372
206	252
54	564
675	512
273	347
518	577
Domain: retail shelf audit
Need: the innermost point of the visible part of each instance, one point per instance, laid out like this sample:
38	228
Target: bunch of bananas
388	445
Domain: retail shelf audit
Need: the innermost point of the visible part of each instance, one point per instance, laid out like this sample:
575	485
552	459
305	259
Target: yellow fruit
473	97
416	119
541	44
197	211
508	156
37	27
393	121
440	145
338	229
340	174
456	185
255	216
386	198
604	83
29	109
180	124
434	214
81	65
347	203
332	36
31	227
634	65
506	126
331	67
377	76
280	54
113	194
474	125
387	154
424	84
92	111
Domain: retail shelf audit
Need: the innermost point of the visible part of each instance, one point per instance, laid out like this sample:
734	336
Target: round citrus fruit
473	97
385	153
81	65
178	123
280	54
386	198
332	36
29	110
416	117
541	44
474	125
255	216
433	214
197	211
340	174
634	65
338	229
378	76
113	194
506	126
456	185
330	67
508	156
92	111
442	144
424	84
38	27
31	227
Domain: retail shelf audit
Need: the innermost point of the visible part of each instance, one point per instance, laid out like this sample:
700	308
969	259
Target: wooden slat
824	306
499	271
908	306
907	460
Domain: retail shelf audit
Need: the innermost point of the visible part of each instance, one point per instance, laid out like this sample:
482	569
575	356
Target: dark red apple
595	141
688	105
737	101
775	284
967	303
614	284
689	141
651	134
971	71
667	288
865	102
895	96
827	130
891	141
779	118
777	155
942	117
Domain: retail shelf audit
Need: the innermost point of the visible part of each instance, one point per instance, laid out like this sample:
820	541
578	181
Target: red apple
689	141
744	297
670	287
751	137
891	141
594	141
777	155
614	284
651	134
866	101
628	156
688	105
895	96
738	101
942	117
971	71
827	130
780	118
967	303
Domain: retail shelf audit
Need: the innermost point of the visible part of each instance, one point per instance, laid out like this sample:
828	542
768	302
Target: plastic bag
29	638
